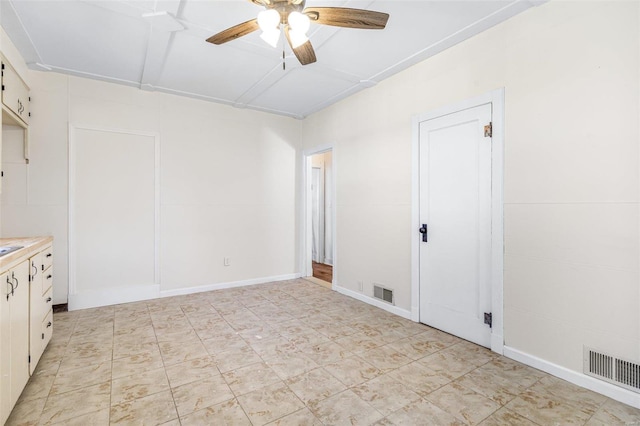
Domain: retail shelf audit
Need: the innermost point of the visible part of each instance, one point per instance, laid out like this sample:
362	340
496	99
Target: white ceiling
111	40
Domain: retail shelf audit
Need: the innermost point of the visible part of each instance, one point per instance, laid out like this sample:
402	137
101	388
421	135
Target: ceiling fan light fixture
271	37
295	19
268	20
299	22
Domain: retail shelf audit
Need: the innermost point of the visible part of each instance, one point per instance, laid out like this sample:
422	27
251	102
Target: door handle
423	231
11	284
13	278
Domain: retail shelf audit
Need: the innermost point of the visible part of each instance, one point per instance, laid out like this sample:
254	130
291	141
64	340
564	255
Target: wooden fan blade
348	18
234	32
305	53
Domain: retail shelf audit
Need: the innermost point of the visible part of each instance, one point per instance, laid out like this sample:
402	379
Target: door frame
306	266
496	99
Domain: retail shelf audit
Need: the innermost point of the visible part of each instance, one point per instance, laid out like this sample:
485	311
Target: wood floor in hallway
323	272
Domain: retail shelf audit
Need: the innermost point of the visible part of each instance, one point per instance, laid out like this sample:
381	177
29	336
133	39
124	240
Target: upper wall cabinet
15	95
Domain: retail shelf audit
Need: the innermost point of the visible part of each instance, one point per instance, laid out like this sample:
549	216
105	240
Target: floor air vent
611	369
382	293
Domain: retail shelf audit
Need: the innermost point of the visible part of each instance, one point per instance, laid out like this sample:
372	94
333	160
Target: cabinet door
37	310
19	314
15	94
5	353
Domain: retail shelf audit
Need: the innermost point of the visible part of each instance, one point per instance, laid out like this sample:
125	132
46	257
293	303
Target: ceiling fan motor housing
283	7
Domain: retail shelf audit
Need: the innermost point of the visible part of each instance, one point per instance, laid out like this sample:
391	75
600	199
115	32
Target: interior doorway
319	256
457	215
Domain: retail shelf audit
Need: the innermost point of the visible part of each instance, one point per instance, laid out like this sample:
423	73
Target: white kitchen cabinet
5	352
40	304
15	93
14	329
15	104
26	314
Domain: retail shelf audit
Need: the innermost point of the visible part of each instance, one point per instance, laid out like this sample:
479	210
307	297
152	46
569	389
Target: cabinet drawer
47	258
47	301
47	329
47	280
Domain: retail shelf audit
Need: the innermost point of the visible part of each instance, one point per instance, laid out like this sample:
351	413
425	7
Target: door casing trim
305	219
496	99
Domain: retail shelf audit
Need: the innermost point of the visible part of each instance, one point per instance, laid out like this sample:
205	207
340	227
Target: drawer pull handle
49	324
49	254
42	336
48	299
49	276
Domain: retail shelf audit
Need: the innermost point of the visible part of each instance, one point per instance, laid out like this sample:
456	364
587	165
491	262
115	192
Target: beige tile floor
287	353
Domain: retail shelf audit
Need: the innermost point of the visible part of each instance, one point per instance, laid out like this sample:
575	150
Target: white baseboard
220	286
375	302
112	296
115	296
614	392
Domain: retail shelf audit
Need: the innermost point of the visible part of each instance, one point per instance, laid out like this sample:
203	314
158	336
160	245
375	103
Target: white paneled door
113	221
455	219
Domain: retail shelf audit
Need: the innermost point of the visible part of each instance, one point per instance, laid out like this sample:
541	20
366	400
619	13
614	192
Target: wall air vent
383	293
614	370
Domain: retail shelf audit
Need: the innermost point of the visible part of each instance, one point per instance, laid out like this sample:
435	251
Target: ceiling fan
295	20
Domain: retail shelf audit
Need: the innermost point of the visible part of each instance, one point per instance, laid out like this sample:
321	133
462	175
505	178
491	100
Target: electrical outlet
360	286
227	261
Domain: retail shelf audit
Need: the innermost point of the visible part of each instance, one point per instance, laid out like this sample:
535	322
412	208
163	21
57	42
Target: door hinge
488	319
488	130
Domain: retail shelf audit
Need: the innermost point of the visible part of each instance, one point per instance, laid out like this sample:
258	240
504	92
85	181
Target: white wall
571	75
227	177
